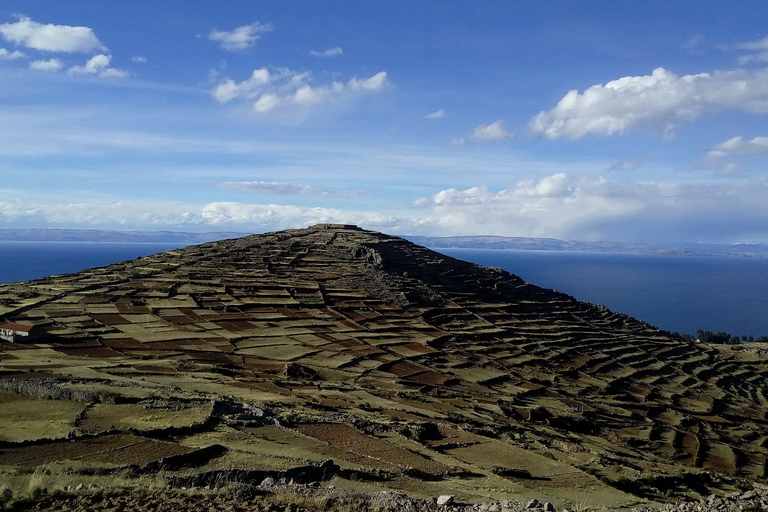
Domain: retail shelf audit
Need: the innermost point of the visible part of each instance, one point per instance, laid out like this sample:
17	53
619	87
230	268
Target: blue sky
597	120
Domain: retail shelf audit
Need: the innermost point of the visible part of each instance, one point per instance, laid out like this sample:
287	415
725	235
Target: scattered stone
268	482
534	503
549	507
748	495
445	500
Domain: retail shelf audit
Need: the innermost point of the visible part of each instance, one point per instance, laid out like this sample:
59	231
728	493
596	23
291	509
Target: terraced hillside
267	355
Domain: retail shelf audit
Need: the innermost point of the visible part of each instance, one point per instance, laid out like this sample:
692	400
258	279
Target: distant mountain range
96	235
446	242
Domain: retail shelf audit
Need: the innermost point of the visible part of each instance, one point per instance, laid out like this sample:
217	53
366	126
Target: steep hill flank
402	365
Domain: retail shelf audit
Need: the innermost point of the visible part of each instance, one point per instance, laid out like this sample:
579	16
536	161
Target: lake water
675	293
24	261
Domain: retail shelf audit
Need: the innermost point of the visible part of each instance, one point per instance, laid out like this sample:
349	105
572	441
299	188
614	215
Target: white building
18	332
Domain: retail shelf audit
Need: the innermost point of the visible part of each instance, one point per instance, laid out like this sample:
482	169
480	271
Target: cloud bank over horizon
557	206
260	120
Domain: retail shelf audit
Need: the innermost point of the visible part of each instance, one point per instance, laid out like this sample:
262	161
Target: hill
271	355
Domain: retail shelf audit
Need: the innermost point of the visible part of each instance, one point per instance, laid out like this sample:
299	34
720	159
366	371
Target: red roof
17	327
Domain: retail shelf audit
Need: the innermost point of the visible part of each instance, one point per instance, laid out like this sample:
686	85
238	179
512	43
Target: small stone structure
14	333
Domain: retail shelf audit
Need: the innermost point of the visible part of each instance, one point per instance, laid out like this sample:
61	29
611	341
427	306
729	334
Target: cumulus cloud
557	206
98	65
6	55
493	132
281	188
273	216
661	99
330	52
740	146
49	66
284	88
249	88
240	38
564	206
51	38
79	213
436	115
162	215
138	59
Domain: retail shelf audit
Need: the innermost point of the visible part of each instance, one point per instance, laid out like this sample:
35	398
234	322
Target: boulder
445	500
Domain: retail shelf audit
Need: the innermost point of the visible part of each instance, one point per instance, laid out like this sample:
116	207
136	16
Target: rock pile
313	498
743	501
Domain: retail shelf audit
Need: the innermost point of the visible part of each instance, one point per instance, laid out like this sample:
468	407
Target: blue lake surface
675	293
24	261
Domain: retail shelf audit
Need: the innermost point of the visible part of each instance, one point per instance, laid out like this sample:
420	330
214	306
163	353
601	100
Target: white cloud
285	88
261	217
330	52
240	38
49	66
373	83
557	206
759	49
249	88
99	65
6	55
51	38
494	132
138	59
564	206
739	146
281	188
660	99
436	115
104	213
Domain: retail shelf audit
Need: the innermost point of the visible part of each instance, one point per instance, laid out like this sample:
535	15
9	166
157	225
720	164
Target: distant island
434	242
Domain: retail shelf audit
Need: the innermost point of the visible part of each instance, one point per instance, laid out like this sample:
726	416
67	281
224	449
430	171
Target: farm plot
27	418
354	446
102	417
281	352
268	442
116	450
494	453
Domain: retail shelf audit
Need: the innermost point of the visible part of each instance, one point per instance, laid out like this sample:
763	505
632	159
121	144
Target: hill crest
368	344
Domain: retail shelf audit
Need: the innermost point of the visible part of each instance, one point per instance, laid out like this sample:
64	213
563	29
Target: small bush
6	497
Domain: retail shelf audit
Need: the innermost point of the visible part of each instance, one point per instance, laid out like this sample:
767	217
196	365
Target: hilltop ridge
403	365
